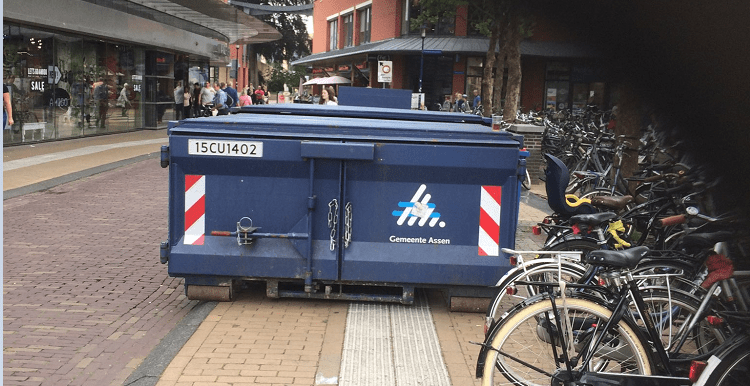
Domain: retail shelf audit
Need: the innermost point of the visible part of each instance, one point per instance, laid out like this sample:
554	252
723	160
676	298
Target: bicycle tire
547	270
522	327
703	339
730	368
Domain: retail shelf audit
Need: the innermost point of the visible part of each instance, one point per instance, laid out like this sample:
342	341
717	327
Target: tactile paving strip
391	344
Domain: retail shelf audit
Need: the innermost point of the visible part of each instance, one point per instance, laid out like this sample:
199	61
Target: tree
295	40
279	77
505	22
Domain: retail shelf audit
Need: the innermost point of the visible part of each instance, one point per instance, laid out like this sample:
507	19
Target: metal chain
333	220
347	224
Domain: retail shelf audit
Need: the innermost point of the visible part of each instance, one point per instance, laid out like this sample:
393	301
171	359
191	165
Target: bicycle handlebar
673	220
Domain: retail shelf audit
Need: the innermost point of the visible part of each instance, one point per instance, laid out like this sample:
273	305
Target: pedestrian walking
7	108
179	100
245	99
220	99
123	101
101	98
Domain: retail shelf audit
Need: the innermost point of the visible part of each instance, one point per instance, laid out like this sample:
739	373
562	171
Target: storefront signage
344	67
329	69
385	68
37	85
317	70
53	75
37	72
362	65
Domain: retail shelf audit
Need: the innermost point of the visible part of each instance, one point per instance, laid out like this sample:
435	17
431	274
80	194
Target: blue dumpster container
337	202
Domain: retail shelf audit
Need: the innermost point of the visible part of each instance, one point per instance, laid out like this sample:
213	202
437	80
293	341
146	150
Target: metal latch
244	229
164	162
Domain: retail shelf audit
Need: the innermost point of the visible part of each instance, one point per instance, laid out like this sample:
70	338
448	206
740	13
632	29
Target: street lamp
423	30
237	67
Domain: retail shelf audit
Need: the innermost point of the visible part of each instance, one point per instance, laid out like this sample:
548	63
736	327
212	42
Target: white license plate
225	148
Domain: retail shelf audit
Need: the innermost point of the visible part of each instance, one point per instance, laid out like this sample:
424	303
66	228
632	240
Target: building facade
352	37
88	67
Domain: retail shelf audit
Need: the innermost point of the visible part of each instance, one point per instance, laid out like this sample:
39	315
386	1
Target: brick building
351	36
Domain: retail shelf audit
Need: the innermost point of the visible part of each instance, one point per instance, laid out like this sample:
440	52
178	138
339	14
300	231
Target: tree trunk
489	63
500	64
514	66
252	65
628	128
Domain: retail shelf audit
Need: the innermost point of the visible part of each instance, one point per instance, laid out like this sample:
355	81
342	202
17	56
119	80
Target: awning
328	80
448	45
237	26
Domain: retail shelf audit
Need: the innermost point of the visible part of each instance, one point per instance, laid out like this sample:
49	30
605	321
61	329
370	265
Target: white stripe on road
44	158
389	345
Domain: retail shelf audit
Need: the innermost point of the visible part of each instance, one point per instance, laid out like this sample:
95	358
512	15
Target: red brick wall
532	83
462	20
386	20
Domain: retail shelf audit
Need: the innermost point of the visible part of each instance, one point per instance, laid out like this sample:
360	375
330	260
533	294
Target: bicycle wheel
671	313
732	369
546	271
524	336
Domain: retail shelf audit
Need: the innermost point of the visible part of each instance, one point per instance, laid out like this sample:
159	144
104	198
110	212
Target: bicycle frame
619	311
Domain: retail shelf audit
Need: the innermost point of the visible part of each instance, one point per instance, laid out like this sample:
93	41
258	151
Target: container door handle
333	219
337	150
347	224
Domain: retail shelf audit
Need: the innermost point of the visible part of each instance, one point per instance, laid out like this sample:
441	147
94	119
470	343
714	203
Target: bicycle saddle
628	258
557	177
704	240
593	219
612	202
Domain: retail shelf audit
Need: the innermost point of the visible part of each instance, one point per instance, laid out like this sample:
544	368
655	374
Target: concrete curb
150	370
51	183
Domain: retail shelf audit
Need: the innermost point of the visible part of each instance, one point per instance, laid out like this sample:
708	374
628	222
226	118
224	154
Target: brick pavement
85	297
259	341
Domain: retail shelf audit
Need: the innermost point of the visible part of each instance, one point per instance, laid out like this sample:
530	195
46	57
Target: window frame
333	34
348	22
364	16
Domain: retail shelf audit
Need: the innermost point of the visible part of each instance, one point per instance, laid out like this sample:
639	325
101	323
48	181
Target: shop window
412	10
365	25
474	73
476	16
410	13
158	89
53	78
333	35
348	30
557	95
587	94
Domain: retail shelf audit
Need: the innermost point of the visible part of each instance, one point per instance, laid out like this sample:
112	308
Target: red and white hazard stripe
195	209
489	221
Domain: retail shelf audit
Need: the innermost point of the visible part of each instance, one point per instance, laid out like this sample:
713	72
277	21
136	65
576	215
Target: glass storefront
67	86
574	86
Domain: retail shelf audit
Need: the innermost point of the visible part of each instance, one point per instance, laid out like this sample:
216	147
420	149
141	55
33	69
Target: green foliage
279	77
295	40
431	11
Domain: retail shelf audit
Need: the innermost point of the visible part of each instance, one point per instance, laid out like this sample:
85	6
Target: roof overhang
452	45
231	22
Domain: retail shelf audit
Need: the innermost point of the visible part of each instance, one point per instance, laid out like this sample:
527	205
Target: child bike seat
557	177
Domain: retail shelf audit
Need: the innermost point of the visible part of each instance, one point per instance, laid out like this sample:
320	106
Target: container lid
335	123
364	112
